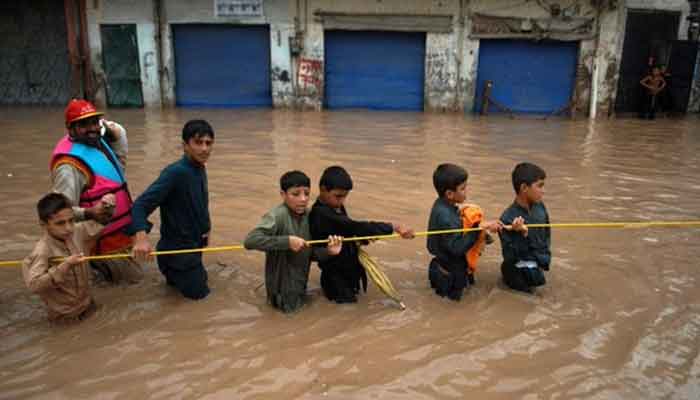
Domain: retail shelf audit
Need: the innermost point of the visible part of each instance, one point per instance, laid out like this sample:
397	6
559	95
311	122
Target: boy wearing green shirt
282	234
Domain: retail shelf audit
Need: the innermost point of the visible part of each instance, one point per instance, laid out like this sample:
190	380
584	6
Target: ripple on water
617	318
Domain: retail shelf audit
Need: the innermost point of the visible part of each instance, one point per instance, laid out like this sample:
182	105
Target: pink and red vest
105	175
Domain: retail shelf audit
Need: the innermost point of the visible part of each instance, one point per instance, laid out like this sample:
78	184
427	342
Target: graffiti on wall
310	75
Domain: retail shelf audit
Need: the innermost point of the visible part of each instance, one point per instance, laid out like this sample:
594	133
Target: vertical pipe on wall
294	66
73	52
459	96
594	91
306	15
85	52
593	107
157	29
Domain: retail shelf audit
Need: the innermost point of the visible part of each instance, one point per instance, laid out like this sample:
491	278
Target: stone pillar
441	86
281	65
608	57
584	78
308	70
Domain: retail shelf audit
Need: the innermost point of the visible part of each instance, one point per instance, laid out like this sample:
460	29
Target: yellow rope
609	225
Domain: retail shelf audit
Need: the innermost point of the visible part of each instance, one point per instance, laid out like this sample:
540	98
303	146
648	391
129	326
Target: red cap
80	109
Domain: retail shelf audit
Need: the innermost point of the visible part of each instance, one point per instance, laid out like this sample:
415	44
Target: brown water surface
619	318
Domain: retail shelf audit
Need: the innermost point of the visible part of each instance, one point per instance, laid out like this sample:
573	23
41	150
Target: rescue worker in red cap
86	164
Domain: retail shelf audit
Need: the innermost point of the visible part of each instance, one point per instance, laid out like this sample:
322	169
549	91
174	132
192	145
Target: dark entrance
648	38
34	64
681	66
120	54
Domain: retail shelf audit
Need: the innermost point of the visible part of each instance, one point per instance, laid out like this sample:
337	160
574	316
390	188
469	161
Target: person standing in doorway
653	85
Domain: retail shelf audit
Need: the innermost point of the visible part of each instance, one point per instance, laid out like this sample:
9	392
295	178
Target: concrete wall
607	59
275	14
470	63
159	89
530	9
584	78
281	65
297	79
442	63
139	12
425	7
441	68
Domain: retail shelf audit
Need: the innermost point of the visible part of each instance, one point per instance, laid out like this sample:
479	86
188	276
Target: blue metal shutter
222	65
528	77
369	69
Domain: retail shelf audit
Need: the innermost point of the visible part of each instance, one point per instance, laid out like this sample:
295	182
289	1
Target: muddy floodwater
618	319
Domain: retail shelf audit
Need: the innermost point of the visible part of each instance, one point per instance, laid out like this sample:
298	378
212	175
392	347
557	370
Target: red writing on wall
310	73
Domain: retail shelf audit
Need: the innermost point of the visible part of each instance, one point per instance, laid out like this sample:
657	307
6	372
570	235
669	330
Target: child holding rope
341	275
448	271
526	254
181	192
282	234
64	286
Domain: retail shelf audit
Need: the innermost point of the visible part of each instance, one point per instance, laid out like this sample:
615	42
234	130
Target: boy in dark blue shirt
526	253
448	270
181	192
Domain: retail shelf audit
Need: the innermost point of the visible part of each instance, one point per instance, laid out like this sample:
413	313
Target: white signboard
238	8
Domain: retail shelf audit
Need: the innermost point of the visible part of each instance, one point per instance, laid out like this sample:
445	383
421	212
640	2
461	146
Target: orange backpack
472	214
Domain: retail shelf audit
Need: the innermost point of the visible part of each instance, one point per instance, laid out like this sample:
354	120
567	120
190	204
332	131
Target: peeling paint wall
584	78
451	61
530	9
135	12
281	65
159	89
441	86
607	61
680	6
148	63
425	7
310	90
275	14
469	66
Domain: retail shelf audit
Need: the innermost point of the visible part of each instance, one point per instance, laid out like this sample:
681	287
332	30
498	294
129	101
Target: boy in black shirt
341	275
526	254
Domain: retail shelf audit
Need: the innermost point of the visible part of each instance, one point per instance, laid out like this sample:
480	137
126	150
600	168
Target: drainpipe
459	96
593	108
73	51
157	22
88	86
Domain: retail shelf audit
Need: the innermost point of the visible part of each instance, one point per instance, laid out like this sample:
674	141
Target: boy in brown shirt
63	286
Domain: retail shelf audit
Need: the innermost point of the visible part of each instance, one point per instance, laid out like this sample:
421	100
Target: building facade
545	56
